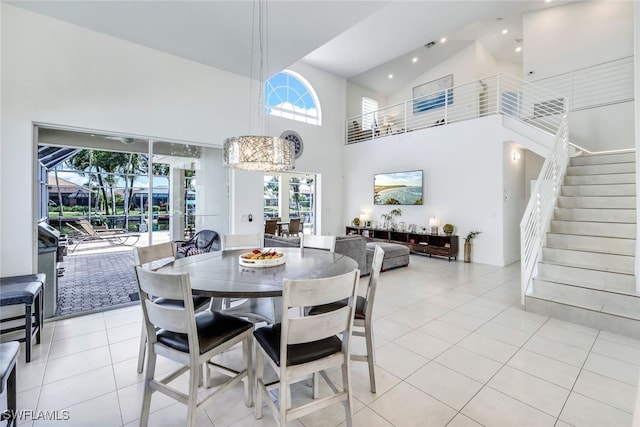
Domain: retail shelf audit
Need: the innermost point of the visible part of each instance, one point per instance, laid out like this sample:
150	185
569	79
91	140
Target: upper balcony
540	104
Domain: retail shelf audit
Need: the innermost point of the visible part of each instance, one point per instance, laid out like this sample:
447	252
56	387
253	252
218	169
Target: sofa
357	247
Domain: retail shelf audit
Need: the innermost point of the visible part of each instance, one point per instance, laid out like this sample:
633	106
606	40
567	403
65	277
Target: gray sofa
352	246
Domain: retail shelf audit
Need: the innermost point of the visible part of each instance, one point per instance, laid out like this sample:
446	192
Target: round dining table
219	274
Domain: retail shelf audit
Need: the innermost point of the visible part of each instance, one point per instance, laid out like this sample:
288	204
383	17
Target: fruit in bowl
262	255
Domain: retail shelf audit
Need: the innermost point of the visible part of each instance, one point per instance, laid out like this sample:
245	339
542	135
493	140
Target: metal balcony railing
498	94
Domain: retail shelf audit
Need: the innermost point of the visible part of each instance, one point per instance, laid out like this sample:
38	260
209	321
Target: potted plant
467	244
388	217
448	229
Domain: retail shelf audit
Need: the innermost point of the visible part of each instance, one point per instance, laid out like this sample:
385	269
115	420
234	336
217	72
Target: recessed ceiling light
519	48
442	40
547	1
415	59
390	76
505	31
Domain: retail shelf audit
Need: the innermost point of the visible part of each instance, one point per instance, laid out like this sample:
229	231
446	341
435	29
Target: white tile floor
454	348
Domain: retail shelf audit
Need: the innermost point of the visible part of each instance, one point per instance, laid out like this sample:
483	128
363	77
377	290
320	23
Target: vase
467	251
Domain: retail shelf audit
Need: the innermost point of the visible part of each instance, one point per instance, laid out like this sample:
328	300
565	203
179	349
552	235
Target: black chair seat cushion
198	302
213	329
361	307
8	355
22	292
269	338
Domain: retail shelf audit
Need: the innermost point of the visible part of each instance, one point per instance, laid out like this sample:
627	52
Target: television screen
397	188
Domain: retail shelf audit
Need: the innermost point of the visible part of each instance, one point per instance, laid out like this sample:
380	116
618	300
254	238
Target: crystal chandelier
259	152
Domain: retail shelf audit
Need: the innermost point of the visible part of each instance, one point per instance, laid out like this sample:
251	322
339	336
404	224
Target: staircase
586	270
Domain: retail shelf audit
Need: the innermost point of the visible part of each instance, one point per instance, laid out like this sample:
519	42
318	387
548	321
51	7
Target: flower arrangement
471	236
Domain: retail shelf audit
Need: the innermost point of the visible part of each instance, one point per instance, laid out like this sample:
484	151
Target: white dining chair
363	318
191	340
255	310
242	241
314	241
153	257
302	345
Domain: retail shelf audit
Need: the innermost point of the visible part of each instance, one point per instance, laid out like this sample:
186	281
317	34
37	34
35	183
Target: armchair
203	241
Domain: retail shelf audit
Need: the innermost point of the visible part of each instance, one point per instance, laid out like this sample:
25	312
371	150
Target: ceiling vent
430	44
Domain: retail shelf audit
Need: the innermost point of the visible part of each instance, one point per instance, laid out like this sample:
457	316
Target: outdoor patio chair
293	228
271	226
203	241
88	233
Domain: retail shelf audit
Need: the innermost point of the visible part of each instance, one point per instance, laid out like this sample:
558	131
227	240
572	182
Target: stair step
627	305
599	190
597	159
608	245
562	310
592	260
596	279
622	230
606	168
596	215
618	202
611	178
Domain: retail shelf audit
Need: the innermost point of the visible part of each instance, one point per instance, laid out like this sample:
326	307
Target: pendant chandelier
259	152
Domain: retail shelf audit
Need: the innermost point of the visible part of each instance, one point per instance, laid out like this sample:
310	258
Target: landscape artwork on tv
398	188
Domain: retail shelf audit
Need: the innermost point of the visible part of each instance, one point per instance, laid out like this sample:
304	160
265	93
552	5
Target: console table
418	243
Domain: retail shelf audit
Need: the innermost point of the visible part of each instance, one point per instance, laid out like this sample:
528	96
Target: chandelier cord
262	10
253	38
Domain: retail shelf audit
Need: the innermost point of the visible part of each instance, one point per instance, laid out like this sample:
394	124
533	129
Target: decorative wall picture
398	188
433	94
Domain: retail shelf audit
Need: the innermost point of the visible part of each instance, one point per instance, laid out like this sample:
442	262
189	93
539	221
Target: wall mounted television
398	188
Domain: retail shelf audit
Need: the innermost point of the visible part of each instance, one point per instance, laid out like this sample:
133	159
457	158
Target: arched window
289	95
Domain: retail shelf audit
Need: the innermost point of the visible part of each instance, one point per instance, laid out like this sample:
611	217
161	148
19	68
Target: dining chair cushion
198	302
213	329
361	307
8	355
269	339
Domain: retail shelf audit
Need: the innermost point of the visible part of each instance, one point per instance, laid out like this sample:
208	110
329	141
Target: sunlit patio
99	275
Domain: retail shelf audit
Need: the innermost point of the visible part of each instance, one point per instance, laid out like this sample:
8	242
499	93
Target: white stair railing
537	216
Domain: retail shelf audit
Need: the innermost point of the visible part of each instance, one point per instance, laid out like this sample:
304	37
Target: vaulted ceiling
363	41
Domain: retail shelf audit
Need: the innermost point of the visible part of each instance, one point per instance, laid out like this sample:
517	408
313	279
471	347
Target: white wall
514	199
486	64
355	93
580	34
609	127
463	176
462	65
53	72
323	145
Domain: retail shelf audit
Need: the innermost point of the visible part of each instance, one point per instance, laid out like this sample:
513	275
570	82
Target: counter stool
25	290
8	356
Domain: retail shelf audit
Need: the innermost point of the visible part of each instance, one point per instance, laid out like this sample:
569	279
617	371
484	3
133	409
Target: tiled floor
454	348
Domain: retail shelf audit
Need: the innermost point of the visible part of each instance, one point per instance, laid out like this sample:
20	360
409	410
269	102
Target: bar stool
8	357
25	290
